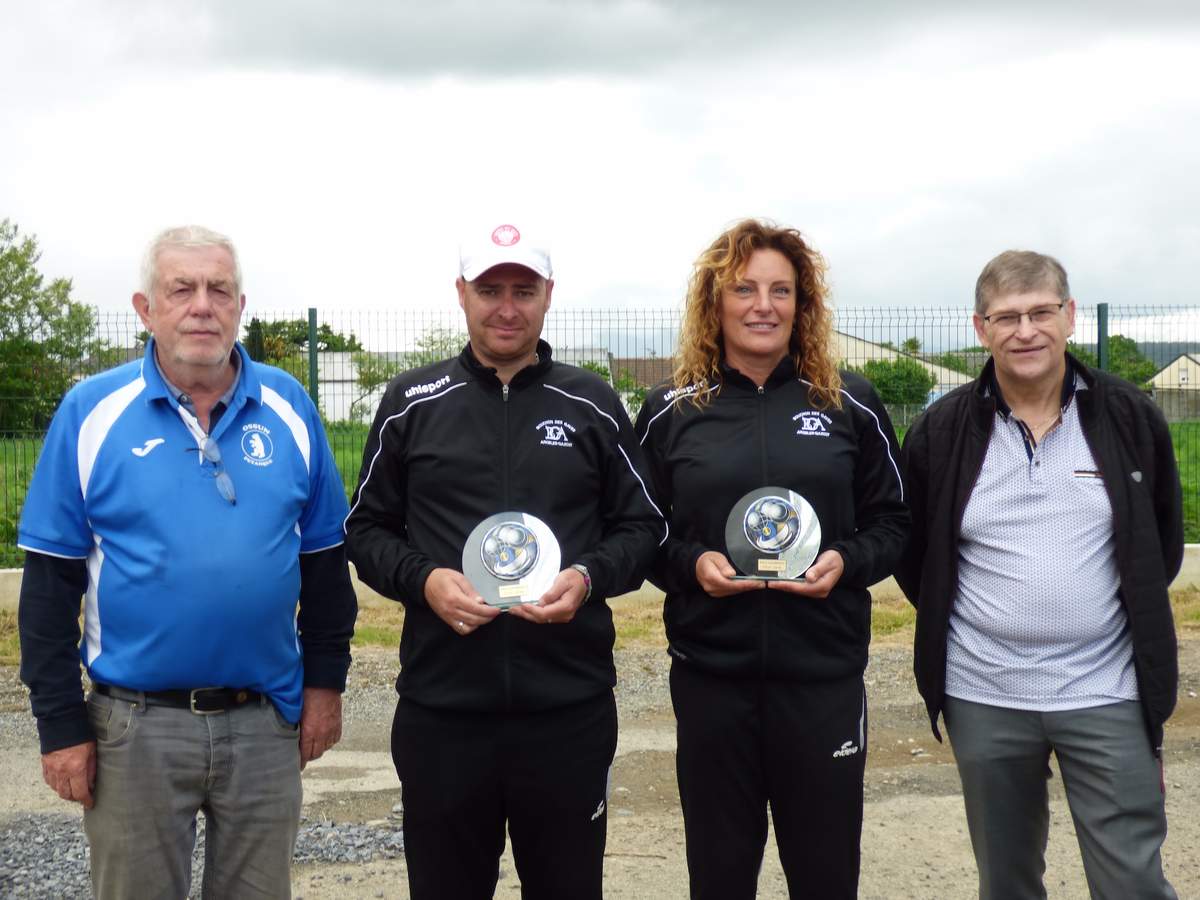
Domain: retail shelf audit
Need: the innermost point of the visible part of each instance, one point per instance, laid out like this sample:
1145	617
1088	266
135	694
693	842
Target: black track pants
465	774
799	747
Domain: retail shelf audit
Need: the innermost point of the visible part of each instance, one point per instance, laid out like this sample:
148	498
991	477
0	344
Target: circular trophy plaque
772	533
511	558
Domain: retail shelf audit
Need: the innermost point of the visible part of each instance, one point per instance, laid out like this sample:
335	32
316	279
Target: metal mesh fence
912	356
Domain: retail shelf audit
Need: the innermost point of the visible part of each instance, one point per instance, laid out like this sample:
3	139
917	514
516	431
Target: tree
1125	360
293	334
284	344
911	345
630	391
46	339
969	360
899	382
438	343
375	370
597	368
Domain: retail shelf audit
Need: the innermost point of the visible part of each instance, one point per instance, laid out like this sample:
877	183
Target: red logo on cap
506	235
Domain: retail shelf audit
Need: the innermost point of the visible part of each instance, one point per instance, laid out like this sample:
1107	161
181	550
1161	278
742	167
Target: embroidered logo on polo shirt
147	447
812	423
556	433
256	444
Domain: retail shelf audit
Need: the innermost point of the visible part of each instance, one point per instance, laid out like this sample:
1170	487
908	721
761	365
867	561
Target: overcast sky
345	145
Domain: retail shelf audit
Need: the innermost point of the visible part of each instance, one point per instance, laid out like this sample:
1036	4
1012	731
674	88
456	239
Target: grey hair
186	236
1020	272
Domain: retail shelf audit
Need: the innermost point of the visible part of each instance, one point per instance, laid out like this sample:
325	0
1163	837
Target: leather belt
201	701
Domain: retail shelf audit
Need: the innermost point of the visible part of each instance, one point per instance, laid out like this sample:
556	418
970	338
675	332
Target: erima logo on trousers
147	447
599	811
849	748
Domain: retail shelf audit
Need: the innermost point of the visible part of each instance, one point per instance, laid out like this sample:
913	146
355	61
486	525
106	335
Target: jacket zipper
762	443
507	624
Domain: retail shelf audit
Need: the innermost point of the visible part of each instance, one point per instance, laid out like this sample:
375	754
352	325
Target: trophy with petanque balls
772	534
511	558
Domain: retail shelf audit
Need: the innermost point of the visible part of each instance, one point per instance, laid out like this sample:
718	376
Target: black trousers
744	744
465	774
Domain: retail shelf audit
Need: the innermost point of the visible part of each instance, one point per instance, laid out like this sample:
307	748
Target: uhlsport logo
256	444
685	391
506	235
849	748
556	433
812	423
427	388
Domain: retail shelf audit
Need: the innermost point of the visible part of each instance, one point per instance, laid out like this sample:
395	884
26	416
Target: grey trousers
157	766
1113	784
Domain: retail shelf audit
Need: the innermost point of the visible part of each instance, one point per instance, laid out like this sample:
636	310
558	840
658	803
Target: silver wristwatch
587	581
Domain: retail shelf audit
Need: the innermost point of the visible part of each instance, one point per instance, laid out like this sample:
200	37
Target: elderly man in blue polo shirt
191	499
1047	526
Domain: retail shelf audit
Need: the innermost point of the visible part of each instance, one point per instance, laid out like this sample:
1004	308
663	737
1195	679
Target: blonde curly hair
697	358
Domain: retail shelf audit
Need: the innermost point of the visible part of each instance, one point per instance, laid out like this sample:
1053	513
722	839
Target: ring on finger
462	626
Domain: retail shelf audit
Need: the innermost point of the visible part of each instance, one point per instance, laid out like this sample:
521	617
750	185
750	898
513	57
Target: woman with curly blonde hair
767	675
810	343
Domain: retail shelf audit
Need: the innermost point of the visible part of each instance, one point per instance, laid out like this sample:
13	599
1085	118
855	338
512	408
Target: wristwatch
587	581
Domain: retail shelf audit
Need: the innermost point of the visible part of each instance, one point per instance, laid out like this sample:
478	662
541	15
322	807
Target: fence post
1102	336
314	389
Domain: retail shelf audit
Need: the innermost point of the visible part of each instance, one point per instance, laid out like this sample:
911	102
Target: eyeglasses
212	453
1010	321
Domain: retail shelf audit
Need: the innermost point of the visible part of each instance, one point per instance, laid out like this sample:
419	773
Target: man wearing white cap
501	720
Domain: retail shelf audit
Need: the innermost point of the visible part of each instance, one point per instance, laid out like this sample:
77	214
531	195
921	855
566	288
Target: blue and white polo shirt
185	589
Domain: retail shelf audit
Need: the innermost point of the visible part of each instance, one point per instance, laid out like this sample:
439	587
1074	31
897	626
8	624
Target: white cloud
344	146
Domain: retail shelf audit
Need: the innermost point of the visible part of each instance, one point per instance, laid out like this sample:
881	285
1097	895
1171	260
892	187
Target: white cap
502	244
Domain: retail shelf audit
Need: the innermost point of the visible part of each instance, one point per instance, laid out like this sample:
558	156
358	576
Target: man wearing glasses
191	498
1047	526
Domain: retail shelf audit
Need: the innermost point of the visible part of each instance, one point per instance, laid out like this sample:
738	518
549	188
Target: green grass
347	440
637	617
378	624
892	617
18	454
10	644
1186	606
1185	436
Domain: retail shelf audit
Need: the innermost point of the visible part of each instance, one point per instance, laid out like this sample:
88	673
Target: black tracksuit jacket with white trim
844	462
451	446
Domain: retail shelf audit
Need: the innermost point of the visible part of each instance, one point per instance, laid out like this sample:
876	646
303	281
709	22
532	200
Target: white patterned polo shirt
1037	623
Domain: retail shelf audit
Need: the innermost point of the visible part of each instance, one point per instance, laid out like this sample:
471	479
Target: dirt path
915	842
914	839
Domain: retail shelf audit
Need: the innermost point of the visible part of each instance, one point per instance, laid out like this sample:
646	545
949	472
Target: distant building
854	351
1176	388
589	357
342	397
646	371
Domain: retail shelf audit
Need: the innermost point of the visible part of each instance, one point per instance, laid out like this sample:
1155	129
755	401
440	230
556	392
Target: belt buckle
202	712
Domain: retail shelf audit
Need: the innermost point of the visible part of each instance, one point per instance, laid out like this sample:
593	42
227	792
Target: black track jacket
451	446
943	453
844	462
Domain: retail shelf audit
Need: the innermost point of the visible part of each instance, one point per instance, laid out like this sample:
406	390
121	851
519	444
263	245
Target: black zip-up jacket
451	446
844	462
1128	436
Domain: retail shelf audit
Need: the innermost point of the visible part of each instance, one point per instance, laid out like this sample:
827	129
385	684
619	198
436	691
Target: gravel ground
351	842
